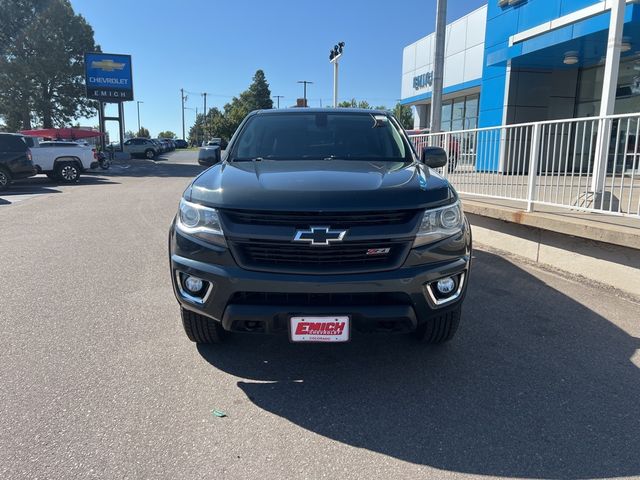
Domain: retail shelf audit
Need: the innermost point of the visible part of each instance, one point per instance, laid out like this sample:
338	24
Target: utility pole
138	105
278	97
204	120
438	67
182	100
334	56
305	82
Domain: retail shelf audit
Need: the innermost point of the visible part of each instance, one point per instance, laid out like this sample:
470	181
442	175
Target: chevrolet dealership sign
108	77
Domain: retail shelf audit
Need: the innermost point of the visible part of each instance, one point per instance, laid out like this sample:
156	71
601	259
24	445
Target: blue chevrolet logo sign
108	77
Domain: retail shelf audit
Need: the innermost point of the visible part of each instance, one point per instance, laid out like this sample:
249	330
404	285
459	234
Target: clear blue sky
216	47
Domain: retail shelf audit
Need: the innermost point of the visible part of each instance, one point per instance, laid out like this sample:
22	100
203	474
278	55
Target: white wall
464	54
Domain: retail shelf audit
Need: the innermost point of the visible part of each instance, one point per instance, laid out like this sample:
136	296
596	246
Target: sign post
109	79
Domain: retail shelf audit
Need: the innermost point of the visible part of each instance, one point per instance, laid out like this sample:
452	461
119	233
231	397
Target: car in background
161	147
63	161
141	147
15	159
220	142
181	143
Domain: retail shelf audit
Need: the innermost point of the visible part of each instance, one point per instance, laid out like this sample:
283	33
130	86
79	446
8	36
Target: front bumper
245	300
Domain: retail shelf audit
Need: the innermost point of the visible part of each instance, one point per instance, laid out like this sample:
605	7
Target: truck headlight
200	222
439	223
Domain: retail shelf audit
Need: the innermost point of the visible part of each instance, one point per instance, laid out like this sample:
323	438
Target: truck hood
323	185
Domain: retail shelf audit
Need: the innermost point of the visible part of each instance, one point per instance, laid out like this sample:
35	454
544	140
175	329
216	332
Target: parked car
63	161
181	143
141	147
15	159
317	224
221	142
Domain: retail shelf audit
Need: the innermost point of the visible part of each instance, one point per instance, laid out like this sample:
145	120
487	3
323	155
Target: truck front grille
305	219
348	257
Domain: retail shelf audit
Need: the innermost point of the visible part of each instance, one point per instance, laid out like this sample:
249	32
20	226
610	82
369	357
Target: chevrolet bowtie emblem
107	65
319	236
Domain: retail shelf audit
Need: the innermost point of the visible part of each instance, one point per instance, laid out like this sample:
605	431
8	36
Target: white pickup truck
63	161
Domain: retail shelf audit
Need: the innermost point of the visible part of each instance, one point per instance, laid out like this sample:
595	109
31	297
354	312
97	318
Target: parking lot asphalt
98	380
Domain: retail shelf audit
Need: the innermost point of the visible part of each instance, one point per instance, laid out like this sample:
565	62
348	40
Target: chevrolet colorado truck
321	224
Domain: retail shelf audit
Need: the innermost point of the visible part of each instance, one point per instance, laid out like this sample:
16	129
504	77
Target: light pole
438	67
138	105
334	56
305	82
183	98
204	126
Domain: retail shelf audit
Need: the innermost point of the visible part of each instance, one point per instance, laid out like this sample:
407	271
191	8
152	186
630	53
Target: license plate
320	329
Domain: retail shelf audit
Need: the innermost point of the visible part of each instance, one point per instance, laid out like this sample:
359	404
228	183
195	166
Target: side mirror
434	157
208	156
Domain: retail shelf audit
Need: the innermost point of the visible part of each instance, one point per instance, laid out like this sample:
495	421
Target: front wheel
201	329
150	154
5	180
68	172
440	329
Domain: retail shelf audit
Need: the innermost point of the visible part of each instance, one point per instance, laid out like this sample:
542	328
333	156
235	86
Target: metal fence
590	164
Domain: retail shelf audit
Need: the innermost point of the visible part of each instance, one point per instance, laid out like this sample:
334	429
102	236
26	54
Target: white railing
561	163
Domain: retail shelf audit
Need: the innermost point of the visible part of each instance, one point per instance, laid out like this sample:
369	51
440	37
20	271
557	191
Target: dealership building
517	61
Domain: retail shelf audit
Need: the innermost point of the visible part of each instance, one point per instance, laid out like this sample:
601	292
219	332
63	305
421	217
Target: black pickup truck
320	224
15	159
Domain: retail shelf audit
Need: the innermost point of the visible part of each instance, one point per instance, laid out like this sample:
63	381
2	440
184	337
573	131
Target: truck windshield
319	136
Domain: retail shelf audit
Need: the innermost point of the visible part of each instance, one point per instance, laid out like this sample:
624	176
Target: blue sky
216	47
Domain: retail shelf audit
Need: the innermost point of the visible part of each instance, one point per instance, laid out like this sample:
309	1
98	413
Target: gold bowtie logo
107	65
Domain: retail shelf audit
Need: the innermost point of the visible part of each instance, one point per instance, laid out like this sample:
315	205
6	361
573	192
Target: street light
138	105
334	56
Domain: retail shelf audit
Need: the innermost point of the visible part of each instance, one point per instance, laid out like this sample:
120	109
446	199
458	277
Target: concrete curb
597	228
613	265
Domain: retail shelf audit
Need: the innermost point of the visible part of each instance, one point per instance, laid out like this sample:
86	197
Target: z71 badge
378	251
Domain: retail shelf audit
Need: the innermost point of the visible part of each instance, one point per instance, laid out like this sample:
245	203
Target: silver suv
141	147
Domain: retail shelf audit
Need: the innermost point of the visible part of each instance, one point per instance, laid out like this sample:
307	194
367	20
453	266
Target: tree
143	133
167	134
42	46
196	132
129	134
224	124
404	115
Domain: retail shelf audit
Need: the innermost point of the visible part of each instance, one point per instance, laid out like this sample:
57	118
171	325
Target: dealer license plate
320	329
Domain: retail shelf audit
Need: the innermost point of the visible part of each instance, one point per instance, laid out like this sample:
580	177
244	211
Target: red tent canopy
62	133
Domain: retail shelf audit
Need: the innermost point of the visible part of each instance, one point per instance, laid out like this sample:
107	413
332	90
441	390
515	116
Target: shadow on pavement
148	168
535	385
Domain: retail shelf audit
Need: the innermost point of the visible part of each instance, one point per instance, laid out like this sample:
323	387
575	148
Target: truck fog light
446	285
194	284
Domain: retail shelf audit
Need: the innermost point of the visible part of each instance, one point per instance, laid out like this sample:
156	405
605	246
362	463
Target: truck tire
201	329
67	172
5	180
440	329
149	154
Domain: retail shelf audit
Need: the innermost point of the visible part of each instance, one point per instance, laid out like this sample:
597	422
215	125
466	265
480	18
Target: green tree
143	133
196	132
42	46
404	115
167	134
257	96
129	134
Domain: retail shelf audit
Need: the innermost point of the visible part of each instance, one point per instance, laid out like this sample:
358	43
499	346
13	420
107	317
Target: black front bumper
253	301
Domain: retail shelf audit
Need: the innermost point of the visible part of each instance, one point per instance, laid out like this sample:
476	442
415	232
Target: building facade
517	61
